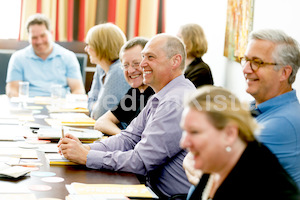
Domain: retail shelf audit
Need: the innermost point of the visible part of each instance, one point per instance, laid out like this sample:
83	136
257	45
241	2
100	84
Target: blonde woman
196	70
219	133
104	42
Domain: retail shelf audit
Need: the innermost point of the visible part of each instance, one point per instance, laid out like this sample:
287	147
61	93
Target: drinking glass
23	93
57	94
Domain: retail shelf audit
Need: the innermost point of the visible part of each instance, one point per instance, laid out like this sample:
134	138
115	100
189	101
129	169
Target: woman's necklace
208	187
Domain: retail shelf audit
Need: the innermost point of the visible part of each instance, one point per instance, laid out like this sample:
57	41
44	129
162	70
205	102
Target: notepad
96	197
132	191
18	196
70	119
53	134
13	133
66	110
13	171
18	152
57	159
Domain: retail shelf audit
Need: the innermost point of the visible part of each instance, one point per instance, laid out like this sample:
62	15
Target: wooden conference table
70	173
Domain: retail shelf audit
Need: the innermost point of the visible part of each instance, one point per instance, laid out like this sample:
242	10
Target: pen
26	164
62	132
71	129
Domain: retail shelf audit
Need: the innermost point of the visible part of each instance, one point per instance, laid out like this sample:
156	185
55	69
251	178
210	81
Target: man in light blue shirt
43	63
271	62
270	65
149	146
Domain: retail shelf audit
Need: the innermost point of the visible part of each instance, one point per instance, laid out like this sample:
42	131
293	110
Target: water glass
57	94
23	92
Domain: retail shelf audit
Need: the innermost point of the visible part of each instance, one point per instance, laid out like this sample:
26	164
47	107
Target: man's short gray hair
286	52
39	19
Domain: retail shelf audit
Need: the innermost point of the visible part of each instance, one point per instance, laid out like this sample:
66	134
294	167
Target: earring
228	148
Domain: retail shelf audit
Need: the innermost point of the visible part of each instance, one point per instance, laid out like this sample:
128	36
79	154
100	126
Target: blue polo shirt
280	121
25	65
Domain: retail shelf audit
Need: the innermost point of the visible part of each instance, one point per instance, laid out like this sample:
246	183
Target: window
10	19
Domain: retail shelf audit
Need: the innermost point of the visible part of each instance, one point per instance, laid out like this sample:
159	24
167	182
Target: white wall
212	18
211	15
279	14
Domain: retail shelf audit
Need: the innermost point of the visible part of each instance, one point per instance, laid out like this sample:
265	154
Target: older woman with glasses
219	133
137	96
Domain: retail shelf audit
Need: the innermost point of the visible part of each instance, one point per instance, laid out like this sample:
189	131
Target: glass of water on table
23	93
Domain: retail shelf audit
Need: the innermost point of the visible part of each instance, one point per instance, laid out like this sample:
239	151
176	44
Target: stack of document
131	191
57	159
14	133
54	134
12	191
17	152
18	196
13	171
70	119
15	116
72	103
96	197
52	109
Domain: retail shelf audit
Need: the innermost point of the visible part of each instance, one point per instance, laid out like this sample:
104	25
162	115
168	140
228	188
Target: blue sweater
103	96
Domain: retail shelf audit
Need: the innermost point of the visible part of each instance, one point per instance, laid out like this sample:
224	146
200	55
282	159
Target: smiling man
137	96
149	146
43	63
271	62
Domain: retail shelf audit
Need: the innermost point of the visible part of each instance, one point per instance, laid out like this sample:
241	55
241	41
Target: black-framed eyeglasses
134	65
254	63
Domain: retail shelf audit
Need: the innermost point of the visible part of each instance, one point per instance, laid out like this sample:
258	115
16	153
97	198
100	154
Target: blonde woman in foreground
235	165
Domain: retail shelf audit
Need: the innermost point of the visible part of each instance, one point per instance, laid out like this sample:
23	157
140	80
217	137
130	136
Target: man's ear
176	61
286	71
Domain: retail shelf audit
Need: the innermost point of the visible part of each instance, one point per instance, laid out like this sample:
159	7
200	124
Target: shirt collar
285	98
55	52
168	87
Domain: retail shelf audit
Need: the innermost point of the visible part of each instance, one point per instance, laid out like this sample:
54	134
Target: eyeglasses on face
134	65
254	63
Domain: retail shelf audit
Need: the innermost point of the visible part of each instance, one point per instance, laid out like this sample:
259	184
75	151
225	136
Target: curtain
71	19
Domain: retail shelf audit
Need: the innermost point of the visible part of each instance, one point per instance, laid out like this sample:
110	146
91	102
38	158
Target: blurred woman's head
104	41
216	124
194	39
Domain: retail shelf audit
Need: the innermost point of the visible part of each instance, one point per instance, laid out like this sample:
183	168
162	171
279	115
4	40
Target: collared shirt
280	121
61	64
131	105
106	94
150	142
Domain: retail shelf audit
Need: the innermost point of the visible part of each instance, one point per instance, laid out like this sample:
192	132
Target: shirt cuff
95	159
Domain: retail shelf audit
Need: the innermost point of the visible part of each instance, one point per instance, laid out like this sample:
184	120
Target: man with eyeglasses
271	62
137	96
